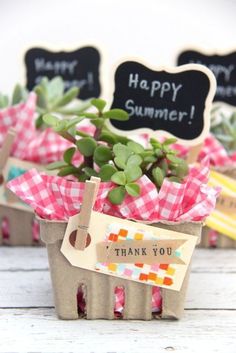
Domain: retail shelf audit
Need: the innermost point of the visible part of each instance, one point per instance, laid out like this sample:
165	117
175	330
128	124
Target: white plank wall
28	322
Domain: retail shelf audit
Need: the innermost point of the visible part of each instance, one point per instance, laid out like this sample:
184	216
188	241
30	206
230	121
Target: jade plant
224	129
51	98
112	157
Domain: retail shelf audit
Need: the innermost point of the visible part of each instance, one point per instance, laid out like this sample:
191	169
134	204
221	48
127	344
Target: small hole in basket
213	236
73	236
119	304
156	301
35	231
1	179
81	300
5	228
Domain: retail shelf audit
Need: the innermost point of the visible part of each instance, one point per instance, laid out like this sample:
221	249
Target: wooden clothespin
90	194
6	150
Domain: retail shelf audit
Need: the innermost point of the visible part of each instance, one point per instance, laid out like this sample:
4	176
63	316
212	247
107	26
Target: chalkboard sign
224	69
78	68
176	100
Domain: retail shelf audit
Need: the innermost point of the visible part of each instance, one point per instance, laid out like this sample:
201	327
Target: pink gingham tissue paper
57	198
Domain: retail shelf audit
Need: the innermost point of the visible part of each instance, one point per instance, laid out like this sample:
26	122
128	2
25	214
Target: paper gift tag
223	218
131	250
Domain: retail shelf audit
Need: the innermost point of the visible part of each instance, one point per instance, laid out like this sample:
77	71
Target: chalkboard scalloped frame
208	52
71	48
172	70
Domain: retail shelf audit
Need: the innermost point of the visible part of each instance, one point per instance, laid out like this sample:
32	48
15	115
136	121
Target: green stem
97	133
153	166
80	168
88	162
68	137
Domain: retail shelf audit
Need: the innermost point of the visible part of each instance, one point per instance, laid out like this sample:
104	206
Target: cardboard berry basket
18	223
216	235
222	236
66	279
130	261
28	148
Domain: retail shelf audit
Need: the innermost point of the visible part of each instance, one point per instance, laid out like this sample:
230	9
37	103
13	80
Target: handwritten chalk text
155	88
218	69
59	67
86	82
154	113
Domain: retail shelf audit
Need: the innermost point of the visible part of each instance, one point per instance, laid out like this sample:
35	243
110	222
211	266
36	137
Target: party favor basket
225	167
87	281
29	148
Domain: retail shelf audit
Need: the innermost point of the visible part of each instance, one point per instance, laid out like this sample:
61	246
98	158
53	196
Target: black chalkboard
78	68
172	101
222	66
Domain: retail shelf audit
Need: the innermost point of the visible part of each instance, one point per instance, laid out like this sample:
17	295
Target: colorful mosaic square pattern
157	275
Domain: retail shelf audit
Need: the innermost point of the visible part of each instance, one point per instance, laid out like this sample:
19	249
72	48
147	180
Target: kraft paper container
66	279
20	226
223	241
20	217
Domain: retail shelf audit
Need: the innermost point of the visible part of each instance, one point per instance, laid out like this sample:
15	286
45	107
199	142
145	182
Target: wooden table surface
28	322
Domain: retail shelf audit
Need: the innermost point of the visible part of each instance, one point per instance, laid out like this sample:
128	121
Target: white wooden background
28	322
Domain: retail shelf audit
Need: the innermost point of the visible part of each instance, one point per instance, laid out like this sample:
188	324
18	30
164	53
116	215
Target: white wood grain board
33	289
29	324
214	260
38	330
33	258
212	290
23	258
25	289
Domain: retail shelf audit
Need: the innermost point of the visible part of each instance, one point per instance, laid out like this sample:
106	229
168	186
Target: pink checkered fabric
54	197
156	300
35	230
119	304
215	151
212	149
33	145
120	300
47	146
5	228
21	117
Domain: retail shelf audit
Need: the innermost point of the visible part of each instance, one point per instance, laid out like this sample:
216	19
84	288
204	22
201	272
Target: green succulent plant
51	98
19	95
112	157
224	129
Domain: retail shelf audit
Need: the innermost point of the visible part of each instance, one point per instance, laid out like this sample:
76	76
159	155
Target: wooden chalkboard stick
6	150
193	153
90	193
